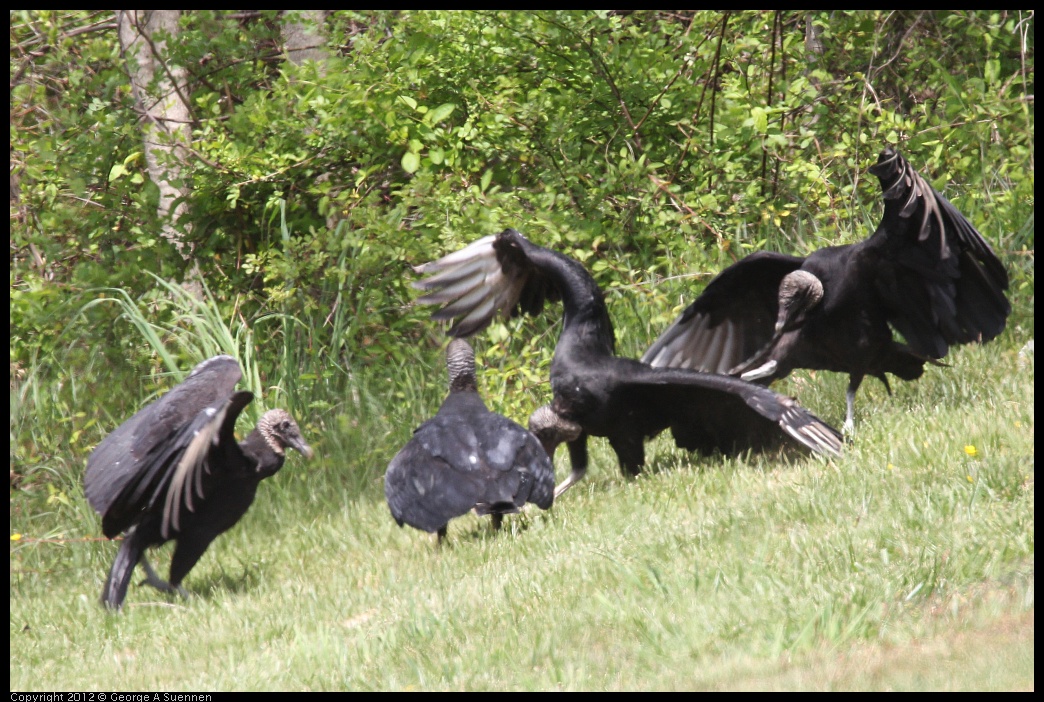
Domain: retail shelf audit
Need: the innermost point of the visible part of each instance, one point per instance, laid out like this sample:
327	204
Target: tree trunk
303	37
160	93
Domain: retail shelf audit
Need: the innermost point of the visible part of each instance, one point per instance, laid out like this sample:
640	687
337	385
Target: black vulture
466	457
619	398
926	272
175	471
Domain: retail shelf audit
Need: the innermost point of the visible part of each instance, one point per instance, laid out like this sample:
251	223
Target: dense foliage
653	145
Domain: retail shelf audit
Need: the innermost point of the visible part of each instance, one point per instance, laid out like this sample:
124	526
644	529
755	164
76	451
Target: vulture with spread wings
174	471
926	273
622	399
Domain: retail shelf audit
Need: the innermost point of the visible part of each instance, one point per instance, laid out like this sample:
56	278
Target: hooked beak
304	449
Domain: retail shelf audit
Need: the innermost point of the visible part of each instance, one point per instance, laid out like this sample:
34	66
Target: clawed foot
151	578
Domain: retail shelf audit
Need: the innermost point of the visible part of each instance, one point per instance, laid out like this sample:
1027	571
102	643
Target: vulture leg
134	544
497	519
578	459
186	554
630	453
152	578
854	381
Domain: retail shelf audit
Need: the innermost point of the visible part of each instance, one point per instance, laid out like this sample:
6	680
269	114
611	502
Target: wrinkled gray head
460	361
552	429
280	430
799	292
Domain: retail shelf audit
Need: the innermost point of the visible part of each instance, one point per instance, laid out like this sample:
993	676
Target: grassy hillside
906	564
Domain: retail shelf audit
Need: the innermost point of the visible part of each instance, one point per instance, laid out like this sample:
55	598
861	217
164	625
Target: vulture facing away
925	272
174	471
466	457
621	399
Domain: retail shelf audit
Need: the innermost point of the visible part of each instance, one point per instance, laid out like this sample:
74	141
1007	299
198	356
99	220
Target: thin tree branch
714	91
603	70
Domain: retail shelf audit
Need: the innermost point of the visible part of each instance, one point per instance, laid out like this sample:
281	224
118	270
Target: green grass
905	564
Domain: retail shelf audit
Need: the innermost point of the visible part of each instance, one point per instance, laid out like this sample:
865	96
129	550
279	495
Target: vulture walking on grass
466	457
925	272
621	399
174	471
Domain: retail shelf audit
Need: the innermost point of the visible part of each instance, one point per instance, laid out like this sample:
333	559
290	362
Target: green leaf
410	162
409	101
760	117
440	113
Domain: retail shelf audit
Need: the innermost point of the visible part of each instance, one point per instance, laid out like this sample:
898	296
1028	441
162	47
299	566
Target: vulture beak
299	444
